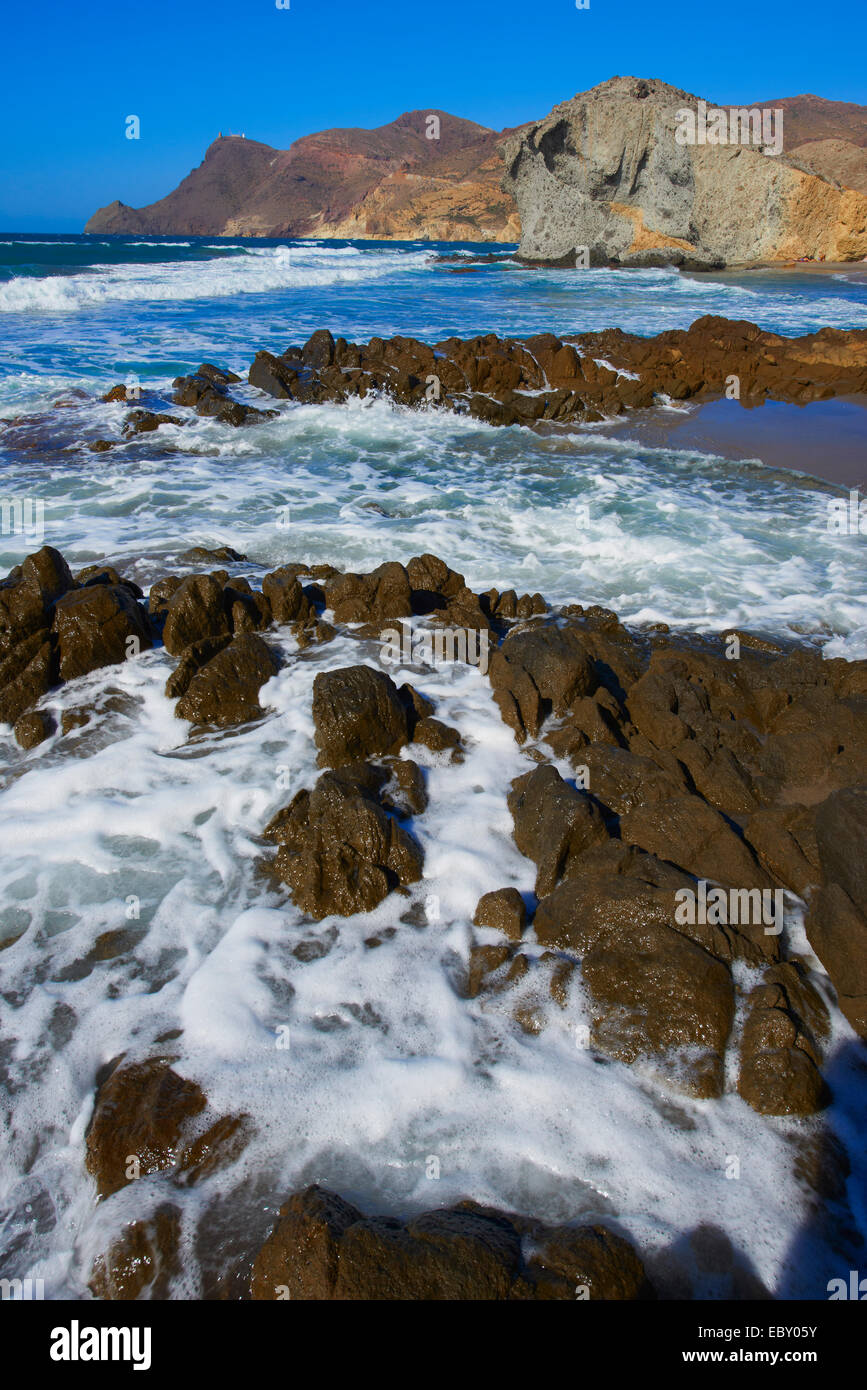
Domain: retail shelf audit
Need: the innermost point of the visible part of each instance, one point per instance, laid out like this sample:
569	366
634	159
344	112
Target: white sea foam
264	269
386	1065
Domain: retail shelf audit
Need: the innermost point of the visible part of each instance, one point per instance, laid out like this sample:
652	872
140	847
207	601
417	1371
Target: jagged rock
142	1261
148	1119
554	824
225	689
784	839
324	1248
780	1054
406	793
504	910
841	838
537	672
27	672
656	993
106	574
358	714
98	626
382	594
433	734
483	962
288	601
686	831
195	610
201	555
340	851
837	932
34	728
146	421
606	171
28	593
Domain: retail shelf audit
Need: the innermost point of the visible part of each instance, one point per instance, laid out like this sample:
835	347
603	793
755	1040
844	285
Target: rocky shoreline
711	776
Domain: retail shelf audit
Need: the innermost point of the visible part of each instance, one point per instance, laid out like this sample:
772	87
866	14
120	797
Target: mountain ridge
394	182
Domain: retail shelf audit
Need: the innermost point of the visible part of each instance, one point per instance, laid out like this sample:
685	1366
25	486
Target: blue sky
74	72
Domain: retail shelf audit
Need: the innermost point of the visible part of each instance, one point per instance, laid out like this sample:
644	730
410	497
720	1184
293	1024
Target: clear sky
73	72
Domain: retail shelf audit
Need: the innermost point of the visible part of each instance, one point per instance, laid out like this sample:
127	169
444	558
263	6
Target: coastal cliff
427	174
614	170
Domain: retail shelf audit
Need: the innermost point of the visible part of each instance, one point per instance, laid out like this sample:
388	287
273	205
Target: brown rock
146	1119
686	831
324	1248
288	601
27	672
382	594
539	671
340	851
554	824
588	1262
194	610
433	734
358	714
837	932
98	626
657	993
503	910
142	1261
225	690
34	728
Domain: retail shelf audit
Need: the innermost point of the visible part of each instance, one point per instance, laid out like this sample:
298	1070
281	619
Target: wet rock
194	610
225	689
780	1054
539	671
160	595
146	421
784	840
288	601
27	672
340	851
837	932
382	594
201	555
554	824
324	1248
434	585
586	1261
148	1119
358	714
194	657
503	910
438	737
622	780
685	831
98	626
841	838
406	793
483	962
106	574
27	595
142	1262
657	993
34	728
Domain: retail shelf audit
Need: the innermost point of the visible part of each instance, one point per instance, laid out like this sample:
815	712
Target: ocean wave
266	269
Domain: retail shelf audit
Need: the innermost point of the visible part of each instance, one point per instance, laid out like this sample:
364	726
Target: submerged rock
148	1119
324	1248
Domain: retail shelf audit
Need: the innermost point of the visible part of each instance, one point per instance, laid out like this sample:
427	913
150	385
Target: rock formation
427	174
606	171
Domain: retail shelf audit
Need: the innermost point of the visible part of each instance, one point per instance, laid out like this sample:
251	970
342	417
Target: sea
363	1068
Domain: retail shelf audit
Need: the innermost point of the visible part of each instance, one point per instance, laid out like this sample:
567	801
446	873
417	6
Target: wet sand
825	439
